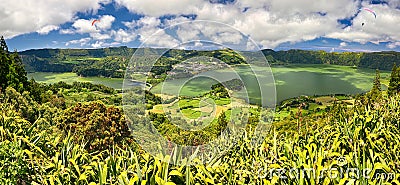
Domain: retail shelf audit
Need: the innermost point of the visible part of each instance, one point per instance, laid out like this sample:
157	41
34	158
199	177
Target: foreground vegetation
48	145
48	137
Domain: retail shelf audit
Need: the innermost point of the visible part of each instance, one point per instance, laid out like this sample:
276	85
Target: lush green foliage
41	142
108	67
366	135
101	126
375	92
394	83
12	73
151	99
375	60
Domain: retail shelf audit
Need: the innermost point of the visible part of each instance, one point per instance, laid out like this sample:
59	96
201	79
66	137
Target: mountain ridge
64	60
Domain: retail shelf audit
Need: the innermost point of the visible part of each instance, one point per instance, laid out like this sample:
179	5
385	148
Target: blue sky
337	25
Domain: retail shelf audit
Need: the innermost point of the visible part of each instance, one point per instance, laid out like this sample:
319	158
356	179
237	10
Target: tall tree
12	72
4	64
375	92
3	45
394	85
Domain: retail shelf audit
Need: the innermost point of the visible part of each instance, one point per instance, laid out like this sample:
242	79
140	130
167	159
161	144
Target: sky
330	25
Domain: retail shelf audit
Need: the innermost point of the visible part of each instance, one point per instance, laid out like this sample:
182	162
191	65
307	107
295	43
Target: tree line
375	60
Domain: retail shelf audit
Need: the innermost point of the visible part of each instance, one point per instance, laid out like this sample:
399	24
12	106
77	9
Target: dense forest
73	134
375	60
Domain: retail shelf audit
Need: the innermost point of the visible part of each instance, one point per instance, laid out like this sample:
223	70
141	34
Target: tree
394	85
12	72
375	92
3	45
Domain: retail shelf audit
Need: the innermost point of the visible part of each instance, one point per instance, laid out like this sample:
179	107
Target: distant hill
375	60
89	60
65	60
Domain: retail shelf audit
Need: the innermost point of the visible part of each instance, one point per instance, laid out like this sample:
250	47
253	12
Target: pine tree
394	85
12	72
4	64
16	69
375	92
3	45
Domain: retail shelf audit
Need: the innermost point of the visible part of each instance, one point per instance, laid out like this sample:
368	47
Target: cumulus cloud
186	33
343	44
273	22
21	16
82	26
393	3
268	22
393	45
124	36
99	36
102	44
81	42
105	22
380	29
157	8
46	29
160	39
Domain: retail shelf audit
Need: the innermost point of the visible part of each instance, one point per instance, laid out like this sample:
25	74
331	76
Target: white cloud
67	31
105	22
381	29
268	22
25	16
46	29
99	36
352	36
156	8
143	22
393	45
124	36
187	34
102	44
159	39
98	44
343	44
81	42
82	26
273	22
176	20
99	31
394	3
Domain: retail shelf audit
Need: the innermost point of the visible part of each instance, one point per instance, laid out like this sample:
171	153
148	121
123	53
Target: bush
100	126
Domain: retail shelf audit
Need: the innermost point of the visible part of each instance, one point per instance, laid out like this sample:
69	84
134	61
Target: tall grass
345	139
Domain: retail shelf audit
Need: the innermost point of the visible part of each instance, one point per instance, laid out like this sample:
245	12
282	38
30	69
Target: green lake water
290	81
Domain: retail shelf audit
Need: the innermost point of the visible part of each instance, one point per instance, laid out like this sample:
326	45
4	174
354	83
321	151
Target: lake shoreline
290	80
